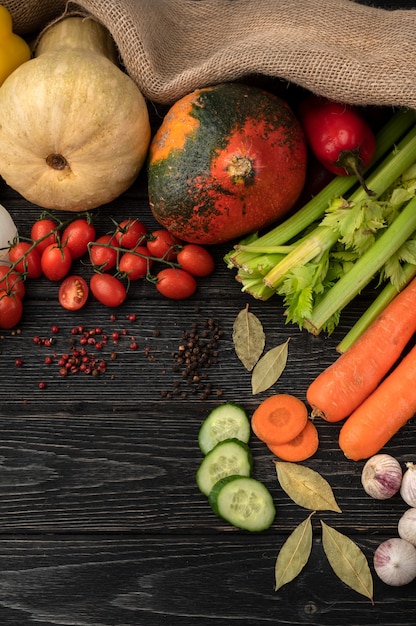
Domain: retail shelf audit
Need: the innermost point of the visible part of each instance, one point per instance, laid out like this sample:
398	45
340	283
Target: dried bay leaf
248	337
294	553
269	368
348	561
306	487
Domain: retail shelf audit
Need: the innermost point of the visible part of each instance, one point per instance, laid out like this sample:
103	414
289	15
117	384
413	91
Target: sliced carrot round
279	418
301	447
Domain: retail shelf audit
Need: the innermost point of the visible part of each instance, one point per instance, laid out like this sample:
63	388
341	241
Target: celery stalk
318	242
323	237
364	269
254	286
262	264
388	293
391	132
319	272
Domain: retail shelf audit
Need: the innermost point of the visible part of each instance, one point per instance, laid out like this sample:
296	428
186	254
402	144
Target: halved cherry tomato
102	255
56	261
175	283
135	264
11	310
13	283
163	245
196	260
27	260
108	289
130	233
43	232
73	293
77	235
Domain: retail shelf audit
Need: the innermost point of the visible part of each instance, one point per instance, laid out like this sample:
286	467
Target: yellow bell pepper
13	49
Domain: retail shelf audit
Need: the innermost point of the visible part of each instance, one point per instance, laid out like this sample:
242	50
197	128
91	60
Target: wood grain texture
101	522
119	580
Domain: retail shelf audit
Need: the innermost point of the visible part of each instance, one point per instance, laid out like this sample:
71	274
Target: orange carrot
301	447
343	386
383	413
279	418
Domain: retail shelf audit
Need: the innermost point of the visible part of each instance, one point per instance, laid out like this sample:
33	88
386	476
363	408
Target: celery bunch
321	257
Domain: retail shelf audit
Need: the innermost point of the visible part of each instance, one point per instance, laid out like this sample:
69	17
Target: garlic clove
381	476
408	486
407	526
395	562
8	232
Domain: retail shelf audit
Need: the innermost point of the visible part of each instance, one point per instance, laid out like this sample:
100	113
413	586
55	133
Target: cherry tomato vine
117	259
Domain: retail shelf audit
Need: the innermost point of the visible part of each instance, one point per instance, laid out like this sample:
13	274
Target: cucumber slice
244	502
229	457
226	421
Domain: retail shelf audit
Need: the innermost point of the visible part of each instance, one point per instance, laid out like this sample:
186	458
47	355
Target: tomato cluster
127	254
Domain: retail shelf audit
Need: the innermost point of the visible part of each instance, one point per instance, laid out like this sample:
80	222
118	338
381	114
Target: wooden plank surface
101	522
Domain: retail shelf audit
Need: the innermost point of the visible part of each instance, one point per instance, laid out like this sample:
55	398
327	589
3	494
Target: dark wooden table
101	522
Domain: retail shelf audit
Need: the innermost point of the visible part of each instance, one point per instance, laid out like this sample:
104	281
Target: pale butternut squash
74	128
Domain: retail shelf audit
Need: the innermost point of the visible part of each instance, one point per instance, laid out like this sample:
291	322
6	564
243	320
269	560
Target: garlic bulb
395	562
381	476
407	526
8	232
408	486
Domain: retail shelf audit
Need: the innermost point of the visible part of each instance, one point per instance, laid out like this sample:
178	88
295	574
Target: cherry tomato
77	235
103	256
27	260
73	293
130	233
135	264
163	245
108	289
13	283
11	310
196	260
41	232
175	283
56	261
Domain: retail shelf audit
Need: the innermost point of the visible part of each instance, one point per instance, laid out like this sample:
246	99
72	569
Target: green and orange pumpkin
227	160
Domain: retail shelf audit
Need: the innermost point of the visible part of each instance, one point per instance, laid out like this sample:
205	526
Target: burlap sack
340	49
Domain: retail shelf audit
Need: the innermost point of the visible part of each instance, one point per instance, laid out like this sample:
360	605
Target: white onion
8	232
